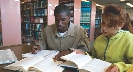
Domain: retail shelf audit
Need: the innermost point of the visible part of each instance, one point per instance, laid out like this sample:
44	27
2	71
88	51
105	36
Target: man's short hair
61	8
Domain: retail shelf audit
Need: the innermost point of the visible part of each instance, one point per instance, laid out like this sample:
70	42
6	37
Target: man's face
62	20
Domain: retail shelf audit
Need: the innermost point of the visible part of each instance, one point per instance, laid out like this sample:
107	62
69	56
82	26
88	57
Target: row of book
34	5
85	19
85	4
36	27
35	34
34	20
38	12
85	25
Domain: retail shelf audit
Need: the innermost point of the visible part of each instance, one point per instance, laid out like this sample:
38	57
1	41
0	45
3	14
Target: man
63	35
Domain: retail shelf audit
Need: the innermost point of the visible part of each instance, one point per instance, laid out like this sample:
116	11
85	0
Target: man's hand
112	68
62	53
35	49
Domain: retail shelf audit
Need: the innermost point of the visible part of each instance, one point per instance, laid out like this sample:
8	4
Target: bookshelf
98	21
75	6
87	20
34	17
85	16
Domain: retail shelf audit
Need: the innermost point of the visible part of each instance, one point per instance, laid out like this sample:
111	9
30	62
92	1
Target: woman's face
107	28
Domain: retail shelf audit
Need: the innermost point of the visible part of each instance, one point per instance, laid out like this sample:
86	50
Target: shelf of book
74	6
33	19
98	22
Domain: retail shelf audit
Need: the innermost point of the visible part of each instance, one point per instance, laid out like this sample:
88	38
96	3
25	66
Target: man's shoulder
77	26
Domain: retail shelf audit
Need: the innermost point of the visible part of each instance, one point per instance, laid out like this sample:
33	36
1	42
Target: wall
131	13
10	20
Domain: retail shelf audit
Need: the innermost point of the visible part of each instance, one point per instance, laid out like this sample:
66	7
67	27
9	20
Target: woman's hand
112	68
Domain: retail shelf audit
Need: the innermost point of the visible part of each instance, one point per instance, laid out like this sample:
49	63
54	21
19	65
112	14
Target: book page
7	56
79	59
46	65
24	63
96	65
41	53
68	64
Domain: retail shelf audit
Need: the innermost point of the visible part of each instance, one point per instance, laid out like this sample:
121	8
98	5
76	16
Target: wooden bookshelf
87	20
98	22
75	6
34	17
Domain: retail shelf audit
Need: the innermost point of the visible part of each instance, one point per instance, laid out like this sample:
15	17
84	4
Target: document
7	56
37	64
41	53
85	62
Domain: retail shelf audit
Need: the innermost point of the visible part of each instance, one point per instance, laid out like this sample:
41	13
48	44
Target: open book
85	62
37	64
42	53
7	56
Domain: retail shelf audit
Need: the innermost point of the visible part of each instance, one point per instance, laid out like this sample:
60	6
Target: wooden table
19	50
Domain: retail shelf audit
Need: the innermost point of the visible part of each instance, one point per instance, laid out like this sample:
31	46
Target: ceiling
104	2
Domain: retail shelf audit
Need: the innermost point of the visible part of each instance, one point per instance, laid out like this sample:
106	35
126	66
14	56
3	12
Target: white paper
46	64
41	53
24	63
7	56
85	62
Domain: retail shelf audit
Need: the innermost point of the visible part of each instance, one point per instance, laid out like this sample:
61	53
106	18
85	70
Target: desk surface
19	50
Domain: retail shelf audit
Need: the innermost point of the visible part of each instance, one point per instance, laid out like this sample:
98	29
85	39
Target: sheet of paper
79	59
96	65
25	63
68	64
47	65
7	56
42	53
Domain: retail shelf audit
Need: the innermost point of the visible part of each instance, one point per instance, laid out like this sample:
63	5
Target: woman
115	45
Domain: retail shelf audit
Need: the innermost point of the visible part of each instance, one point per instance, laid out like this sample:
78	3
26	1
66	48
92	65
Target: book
7	56
85	62
41	53
36	64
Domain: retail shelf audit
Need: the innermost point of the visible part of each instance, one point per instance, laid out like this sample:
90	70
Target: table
18	51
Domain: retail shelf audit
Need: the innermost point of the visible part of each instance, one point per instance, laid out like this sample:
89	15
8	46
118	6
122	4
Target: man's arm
84	44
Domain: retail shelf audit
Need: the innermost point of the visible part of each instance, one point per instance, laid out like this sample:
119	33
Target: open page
79	59
24	64
7	56
46	65
96	65
41	53
68	64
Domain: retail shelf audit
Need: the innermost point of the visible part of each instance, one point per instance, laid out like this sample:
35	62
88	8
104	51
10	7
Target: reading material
7	56
37	64
41	53
86	62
